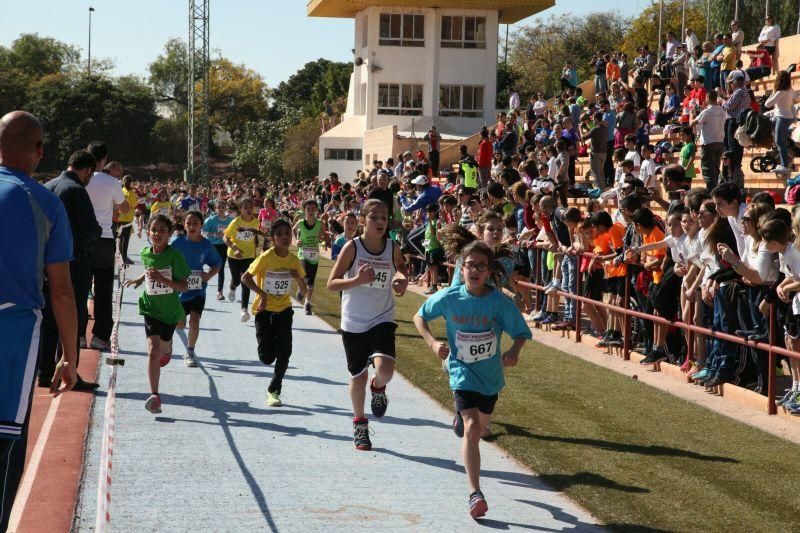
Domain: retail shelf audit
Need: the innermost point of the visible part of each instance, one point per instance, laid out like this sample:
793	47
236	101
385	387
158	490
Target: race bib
277	283
245	234
474	347
195	280
383	270
155	288
311	254
163	211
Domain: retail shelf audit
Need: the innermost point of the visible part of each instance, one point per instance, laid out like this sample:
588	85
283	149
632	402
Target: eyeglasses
478	267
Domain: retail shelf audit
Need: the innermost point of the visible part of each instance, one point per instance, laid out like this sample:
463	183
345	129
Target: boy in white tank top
368	269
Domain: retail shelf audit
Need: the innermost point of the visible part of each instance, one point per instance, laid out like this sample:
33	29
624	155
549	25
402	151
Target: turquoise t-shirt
470	314
214	224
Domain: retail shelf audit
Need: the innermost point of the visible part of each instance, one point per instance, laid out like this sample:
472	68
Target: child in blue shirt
214	227
476	315
199	252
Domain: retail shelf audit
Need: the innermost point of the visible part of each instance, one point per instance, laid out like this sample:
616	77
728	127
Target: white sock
796	385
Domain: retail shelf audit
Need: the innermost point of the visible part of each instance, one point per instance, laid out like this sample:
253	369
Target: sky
273	37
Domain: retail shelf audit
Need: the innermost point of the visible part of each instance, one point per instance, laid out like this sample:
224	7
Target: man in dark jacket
70	188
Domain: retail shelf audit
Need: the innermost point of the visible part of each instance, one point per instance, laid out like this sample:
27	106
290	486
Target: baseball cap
736	75
420	180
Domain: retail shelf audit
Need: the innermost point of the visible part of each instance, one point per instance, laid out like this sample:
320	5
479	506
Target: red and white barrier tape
103	519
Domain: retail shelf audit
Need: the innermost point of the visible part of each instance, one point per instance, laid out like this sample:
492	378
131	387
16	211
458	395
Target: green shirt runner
156	300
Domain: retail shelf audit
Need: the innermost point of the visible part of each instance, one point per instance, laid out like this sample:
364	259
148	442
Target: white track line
33	466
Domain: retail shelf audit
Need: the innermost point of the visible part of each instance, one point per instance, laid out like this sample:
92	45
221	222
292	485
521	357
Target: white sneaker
553	287
538	316
245	316
190	359
231	295
780	169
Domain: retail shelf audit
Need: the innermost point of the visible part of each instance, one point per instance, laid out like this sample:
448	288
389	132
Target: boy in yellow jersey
270	277
240	237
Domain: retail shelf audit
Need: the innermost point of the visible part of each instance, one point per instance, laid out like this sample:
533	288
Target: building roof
511	11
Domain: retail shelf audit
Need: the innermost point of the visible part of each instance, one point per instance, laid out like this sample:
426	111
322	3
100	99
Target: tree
237	95
644	28
169	141
537	52
751	16
300	155
35	57
263	142
169	75
507	78
313	84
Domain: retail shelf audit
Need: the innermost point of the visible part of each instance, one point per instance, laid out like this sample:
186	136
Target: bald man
36	241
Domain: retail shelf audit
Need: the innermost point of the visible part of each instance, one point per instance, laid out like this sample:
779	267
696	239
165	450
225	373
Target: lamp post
89	60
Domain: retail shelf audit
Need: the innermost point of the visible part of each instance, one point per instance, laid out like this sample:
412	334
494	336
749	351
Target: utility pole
89	61
199	133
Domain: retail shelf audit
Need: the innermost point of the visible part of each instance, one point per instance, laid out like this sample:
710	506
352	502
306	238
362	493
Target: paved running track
219	459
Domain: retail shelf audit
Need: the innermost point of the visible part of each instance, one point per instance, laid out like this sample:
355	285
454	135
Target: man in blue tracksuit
36	241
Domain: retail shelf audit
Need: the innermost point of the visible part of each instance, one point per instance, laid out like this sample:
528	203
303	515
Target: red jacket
485	153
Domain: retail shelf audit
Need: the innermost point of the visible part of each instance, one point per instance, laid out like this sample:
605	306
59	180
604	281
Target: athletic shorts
311	273
467	399
593	285
196	304
154	327
615	286
791	326
361	348
434	257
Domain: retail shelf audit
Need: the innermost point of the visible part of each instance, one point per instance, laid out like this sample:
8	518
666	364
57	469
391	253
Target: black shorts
311	273
616	286
467	399
360	348
274	334
434	257
154	327
196	304
791	326
593	285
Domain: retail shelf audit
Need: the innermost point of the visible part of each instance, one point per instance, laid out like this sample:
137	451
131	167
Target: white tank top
366	306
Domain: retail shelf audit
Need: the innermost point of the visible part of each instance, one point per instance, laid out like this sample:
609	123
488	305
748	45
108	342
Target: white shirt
105	191
760	260
513	101
690	42
634	156
737	39
647	173
736	226
677	247
692	248
707	258
783	102
790	265
770	34
671	45
539	107
712	125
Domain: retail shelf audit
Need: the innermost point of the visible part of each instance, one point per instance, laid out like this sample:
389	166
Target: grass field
635	457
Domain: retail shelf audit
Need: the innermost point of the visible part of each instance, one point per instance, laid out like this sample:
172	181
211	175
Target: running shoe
308	309
99	344
220	296
549	319
245	315
231	295
616	341
655	356
361	435
700	376
793	402
786	397
538	317
553	287
274	399
190	359
379	401
458	425
432	289
82	343
564	325
153	404
165	359
604	340
477	505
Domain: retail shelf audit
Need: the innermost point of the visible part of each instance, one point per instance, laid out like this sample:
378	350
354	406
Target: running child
165	272
162	205
199	253
308	233
476	315
240	237
367	270
350	230
214	228
270	277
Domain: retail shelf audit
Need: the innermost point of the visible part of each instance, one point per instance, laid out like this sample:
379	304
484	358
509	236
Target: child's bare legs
474	424
358	393
384	371
155	349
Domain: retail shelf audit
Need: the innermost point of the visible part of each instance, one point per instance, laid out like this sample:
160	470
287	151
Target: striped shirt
738	103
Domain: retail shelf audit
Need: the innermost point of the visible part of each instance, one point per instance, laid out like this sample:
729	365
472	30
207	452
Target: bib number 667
480	349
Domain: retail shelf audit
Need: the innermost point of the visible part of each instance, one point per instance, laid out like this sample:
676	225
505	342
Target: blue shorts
19	329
